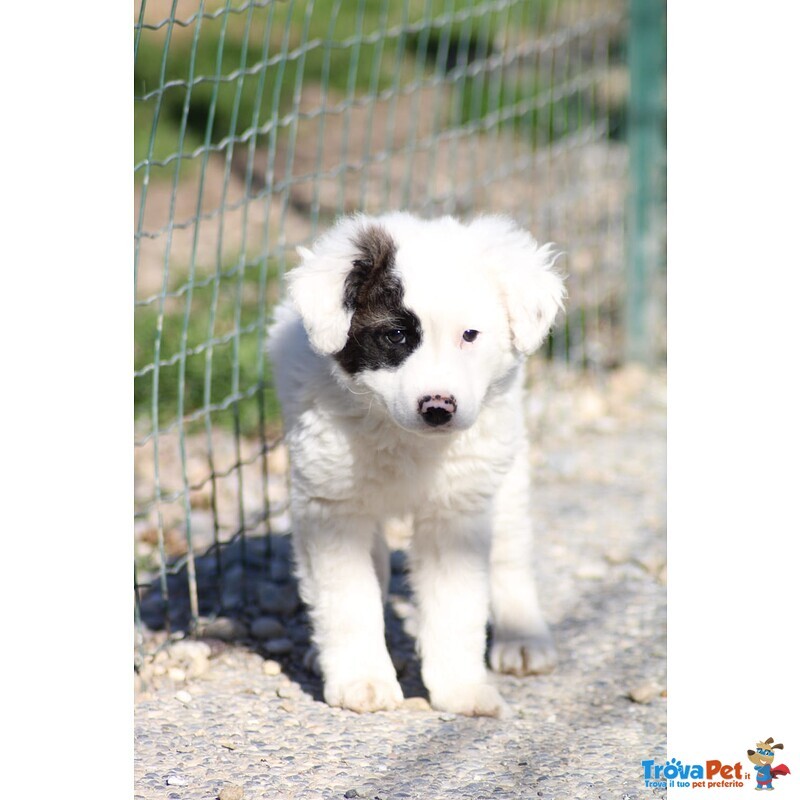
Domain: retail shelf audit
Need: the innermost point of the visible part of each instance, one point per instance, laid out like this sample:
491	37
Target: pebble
183	696
224	628
645	693
416	704
176	674
359	791
311	662
278	647
276	599
231	792
267	628
177	780
271	667
280	570
591	571
189	651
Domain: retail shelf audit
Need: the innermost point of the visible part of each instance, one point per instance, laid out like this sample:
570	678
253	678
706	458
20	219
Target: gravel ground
238	713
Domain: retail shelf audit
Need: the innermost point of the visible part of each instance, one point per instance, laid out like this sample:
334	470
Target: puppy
398	361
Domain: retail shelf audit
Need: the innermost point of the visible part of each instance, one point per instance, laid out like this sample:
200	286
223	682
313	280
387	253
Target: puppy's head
430	317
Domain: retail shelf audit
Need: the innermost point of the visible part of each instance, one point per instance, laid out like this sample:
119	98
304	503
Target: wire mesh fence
257	124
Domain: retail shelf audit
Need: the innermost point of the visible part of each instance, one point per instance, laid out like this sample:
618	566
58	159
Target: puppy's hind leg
521	642
339	583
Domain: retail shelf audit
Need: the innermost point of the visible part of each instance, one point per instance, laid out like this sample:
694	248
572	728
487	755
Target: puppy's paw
364	694
471	700
529	655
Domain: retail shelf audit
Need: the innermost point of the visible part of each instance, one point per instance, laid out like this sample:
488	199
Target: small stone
183	696
225	629
231	791
271	667
591	571
299	634
311	661
359	791
278	647
645	693
276	599
288	692
403	608
176	780
189	650
416	704
287	706
267	628
176	674
279	570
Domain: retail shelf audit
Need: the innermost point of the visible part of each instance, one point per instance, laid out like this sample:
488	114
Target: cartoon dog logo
762	757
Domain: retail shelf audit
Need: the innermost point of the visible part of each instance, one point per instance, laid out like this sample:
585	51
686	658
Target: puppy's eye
470	336
396	336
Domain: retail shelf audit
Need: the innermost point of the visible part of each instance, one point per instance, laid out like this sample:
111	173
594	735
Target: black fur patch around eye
374	292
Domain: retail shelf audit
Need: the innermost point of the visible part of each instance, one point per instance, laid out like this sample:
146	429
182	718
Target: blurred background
258	123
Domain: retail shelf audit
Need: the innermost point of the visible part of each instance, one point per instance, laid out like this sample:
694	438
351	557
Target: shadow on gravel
247	596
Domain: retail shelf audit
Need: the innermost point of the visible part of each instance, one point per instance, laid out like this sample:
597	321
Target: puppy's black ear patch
372	268
374	293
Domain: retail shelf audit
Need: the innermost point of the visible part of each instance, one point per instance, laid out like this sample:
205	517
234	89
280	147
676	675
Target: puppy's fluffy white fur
382	313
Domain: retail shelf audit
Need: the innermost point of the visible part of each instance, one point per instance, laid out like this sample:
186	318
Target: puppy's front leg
339	584
450	572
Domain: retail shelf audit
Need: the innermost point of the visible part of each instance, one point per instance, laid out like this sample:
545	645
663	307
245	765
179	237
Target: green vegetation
242	70
214	357
236	71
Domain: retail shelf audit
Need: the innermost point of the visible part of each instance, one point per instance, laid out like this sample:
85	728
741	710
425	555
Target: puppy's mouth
427	432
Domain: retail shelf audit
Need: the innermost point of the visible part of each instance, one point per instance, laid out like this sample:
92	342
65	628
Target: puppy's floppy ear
316	287
532	289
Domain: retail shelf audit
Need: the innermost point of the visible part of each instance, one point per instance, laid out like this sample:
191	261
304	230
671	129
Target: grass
224	99
209	357
208	344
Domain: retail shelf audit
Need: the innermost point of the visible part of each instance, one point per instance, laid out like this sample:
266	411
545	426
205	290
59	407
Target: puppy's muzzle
437	409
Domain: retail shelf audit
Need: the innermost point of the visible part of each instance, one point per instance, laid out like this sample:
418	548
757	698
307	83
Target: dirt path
223	720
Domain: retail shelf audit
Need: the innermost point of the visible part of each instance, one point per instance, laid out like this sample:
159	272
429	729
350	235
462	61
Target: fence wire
256	125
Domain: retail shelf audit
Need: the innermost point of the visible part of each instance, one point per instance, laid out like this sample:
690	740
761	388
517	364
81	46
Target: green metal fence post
646	262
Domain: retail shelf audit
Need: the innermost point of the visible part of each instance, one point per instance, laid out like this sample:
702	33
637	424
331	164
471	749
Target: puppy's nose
437	409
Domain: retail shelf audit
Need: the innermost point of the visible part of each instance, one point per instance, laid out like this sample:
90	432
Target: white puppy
398	363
